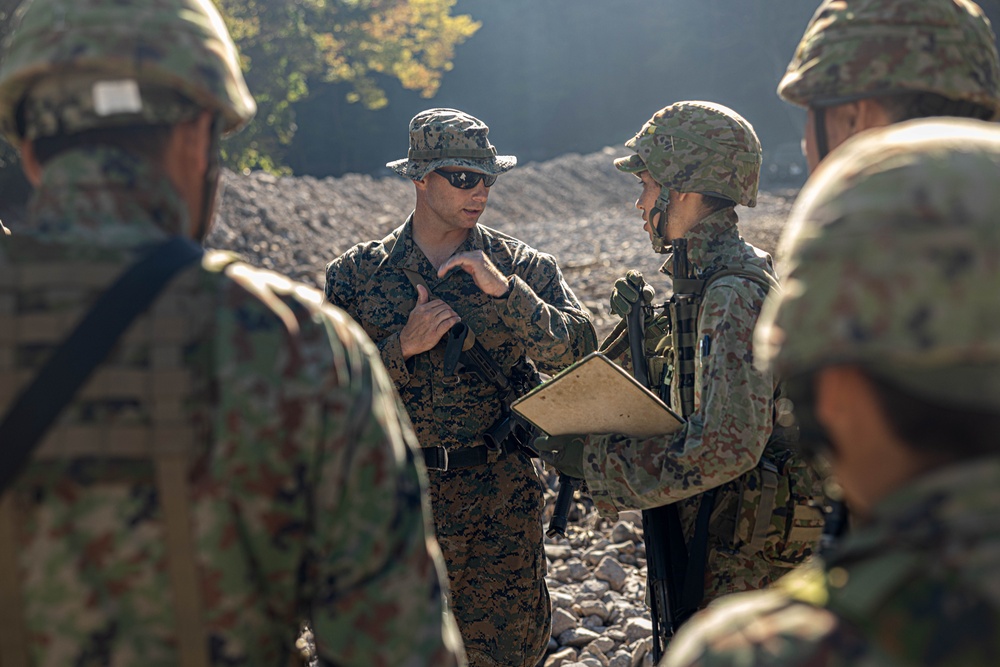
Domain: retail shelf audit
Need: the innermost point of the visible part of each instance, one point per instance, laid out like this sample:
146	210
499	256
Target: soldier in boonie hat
513	298
450	138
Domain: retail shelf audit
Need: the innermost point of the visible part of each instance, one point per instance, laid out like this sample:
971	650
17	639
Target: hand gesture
429	320
627	291
474	262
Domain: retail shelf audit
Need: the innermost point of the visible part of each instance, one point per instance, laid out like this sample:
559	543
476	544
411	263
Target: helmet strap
661	244
211	189
819	132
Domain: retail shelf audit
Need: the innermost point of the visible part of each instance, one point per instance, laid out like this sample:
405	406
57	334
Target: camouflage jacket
540	319
306	500
725	435
912	587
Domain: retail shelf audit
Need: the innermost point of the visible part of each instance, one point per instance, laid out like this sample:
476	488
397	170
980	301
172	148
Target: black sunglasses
466	180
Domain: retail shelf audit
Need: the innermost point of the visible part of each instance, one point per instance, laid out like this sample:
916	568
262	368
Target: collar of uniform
956	500
106	197
713	242
404	252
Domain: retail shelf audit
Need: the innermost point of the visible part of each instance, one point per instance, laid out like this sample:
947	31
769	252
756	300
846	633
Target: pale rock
561	657
638	628
562	621
577	637
611	571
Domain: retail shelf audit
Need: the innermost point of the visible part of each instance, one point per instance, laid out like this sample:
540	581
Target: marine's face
455	207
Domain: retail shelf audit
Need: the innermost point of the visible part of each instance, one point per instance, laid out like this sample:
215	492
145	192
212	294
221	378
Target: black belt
439	458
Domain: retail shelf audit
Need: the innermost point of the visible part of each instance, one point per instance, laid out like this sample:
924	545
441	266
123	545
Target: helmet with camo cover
853	49
894	254
73	65
698	147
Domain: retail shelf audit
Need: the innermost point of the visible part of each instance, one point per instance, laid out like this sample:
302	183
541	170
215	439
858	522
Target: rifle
673	589
663	588
462	350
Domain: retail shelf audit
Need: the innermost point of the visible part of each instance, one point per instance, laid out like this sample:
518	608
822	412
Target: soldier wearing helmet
868	63
697	161
237	462
888	329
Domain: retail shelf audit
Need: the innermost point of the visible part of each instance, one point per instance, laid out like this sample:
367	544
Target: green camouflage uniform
706	148
306	501
487	517
895	256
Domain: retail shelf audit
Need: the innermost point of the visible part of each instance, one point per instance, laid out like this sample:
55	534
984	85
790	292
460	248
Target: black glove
626	292
563	452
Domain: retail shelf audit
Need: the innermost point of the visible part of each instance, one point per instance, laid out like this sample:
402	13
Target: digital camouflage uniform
306	502
487	517
895	256
707	148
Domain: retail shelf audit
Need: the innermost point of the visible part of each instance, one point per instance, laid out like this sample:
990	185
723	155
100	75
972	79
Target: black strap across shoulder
39	405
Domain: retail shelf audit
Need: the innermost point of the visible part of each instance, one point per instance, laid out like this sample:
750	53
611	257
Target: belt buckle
439	460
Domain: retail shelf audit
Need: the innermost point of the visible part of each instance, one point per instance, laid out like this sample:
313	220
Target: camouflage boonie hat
449	138
698	147
854	49
894	253
82	64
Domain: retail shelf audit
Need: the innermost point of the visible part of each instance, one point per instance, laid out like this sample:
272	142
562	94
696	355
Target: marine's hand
474	262
626	292
429	320
563	452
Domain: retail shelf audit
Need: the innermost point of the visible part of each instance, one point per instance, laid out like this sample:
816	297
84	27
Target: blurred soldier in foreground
869	63
239	462
409	290
743	503
890	330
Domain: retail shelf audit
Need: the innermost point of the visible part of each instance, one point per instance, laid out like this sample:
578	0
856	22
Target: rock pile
578	208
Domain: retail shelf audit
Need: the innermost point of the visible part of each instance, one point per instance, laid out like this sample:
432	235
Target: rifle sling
38	407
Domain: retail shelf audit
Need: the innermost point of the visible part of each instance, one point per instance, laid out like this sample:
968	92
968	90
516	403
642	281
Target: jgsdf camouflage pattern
894	249
307	502
728	432
176	45
449	138
854	49
724	438
698	147
487	518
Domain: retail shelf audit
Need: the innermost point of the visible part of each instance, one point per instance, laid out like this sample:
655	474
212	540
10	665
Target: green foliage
288	44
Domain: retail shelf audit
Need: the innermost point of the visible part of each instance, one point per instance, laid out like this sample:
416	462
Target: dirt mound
576	207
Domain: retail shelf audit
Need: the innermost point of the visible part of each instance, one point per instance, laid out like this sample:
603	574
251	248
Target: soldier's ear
29	163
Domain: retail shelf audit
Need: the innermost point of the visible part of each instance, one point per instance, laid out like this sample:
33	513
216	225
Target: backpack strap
38	407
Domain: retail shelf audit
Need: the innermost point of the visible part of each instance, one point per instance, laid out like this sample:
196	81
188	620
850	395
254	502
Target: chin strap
819	132
212	180
661	244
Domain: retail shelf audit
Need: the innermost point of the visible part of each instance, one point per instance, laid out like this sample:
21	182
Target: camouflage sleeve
542	311
379	597
721	440
763	629
331	502
342	276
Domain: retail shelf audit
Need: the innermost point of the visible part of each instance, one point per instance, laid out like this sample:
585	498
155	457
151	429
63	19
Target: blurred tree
288	44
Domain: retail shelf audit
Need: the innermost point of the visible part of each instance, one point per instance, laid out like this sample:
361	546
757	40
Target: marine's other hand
626	292
429	320
563	452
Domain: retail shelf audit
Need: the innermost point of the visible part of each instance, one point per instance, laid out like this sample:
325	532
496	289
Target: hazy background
551	77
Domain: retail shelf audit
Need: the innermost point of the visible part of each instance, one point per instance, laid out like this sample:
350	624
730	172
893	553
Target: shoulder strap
39	405
751	273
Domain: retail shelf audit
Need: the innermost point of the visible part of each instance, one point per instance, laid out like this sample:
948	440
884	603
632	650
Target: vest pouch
780	513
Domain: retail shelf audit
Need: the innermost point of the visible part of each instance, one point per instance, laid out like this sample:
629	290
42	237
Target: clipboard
595	395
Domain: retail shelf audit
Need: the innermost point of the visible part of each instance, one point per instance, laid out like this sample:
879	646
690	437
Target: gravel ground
578	208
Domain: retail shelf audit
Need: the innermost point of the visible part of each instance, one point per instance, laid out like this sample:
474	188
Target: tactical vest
150	387
780	512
